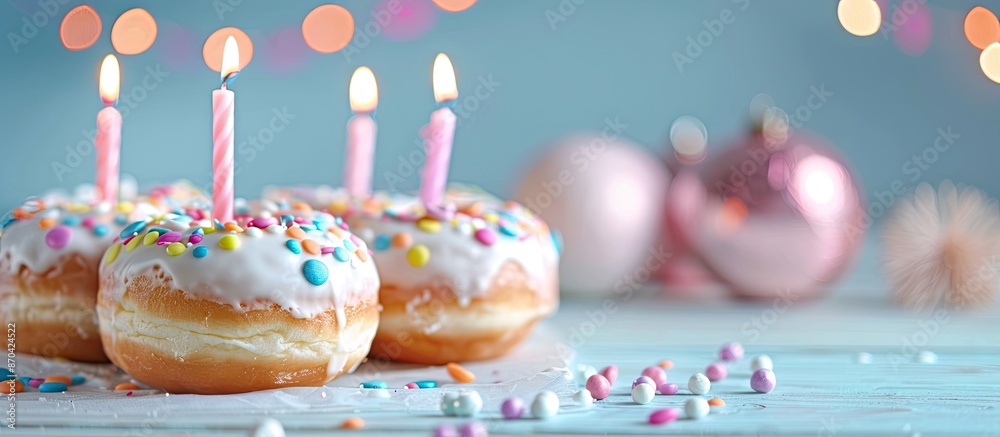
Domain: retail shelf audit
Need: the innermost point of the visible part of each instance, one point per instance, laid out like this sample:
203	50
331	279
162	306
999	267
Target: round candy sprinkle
610	373
584	398
429	225
374	384
352	423
508	231
78	379
411	386
761	362
71	221
664	416
382	242
473	429
486	236
699	384
716	402
101	230
112	253
169	237
763	381
294	246
229	242
311	247
349	245
666	364
46	223
58	237
175	249
296	233
88	222
643	379
598	386
13	386
643	393
195	238
131	229
52	387
263	222
669	389
731	351
132	243
696	408
512	408
657	374
255	232
402	239
150	238
426	384
461	374
201	251
232	227
545	405
448	403
126	386
469	404
341	254
716	372
362	255
59	378
315	272
35	382
418	255
445	430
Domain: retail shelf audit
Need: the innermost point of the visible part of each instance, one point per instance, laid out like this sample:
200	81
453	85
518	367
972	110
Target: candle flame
443	76
363	90
230	57
110	80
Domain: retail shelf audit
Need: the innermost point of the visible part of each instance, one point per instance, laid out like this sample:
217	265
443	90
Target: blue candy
71	221
294	246
78	379
131	229
341	254
426	384
506	230
200	251
315	272
52	387
382	242
5	374
101	230
557	240
374	384
349	245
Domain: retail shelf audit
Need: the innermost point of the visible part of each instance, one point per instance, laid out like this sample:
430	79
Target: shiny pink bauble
769	220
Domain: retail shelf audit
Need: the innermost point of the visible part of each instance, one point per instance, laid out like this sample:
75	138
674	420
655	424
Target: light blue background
607	59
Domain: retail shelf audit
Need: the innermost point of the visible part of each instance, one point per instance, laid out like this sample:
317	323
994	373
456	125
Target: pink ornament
716	372
657	374
610	373
58	237
598	386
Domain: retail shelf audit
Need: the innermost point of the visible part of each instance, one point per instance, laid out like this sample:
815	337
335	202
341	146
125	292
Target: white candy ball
643	393
448	403
696	408
469	404
605	197
268	427
584	398
761	362
545	405
699	384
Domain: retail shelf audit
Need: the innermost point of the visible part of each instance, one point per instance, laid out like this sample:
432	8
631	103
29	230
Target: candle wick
228	80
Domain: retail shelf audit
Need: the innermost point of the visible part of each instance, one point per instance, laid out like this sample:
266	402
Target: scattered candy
341	254
5	374
132	229
229	242
761	362
429	225
311	247
46	223
169	237
716	372
696	408
469	404
374	384
669	389
402	239
201	251
35	382
699	384
101	230
643	380
427	384
666	364
643	393
926	357
59	378
716	402
763	381
448	403
296	233
599	386
294	246
353	423
473	429
584	398
731	351
545	405
315	272
52	387
175	249
610	373
58	237
445	430
132	243
512	408
664	416
461	374
78	379
112	253
486	236
126	386
411	386
12	385
657	374
418	255
150	238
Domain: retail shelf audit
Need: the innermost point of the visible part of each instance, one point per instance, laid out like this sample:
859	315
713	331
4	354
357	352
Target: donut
260	303
465	288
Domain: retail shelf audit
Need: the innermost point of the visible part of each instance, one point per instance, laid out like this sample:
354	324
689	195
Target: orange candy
301	206
46	223
362	255
402	239
233	227
474	209
18	386
126	386
666	364
60	378
717	402
296	233
311	247
461	374
353	423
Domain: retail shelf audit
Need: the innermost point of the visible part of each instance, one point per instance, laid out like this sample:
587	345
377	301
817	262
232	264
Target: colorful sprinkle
232	227
294	246
52	387
315	272
716	372
610	373
508	231
429	225
71	221
15	386
132	244
169	237
126	386
311	247
362	255
46	223
255	232
59	378
150	238
349	245
296	233
716	402
763	381
175	249
491	217
113	253
58	237
382	242
657	374
731	351
229	242
664	416
341	254
669	389
263	222
88	222
666	364
402	239
35	382
353	423
201	251
78	379
486	236
374	384
411	386
427	384
418	255
461	374
195	239
132	229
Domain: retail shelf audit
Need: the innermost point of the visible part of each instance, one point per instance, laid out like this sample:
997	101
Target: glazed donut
260	303
464	289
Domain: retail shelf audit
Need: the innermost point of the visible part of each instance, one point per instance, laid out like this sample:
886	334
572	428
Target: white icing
24	241
261	271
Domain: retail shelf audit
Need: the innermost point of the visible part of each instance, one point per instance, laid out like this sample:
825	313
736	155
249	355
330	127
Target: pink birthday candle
108	140
439	135
222	136
361	131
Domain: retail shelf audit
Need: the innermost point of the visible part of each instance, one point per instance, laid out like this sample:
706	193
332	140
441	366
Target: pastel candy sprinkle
255	232
382	242
315	272
326	250
78	379
427	384
71	221
52	387
132	244
46	223
169	237
229	242
341	254
429	225
195	239
296	233
150	238
263	222
486	236
362	255
374	384
131	229
311	247
113	253
418	255
402	239
294	246
349	245
508	231
175	249
58	237
201	251
88	222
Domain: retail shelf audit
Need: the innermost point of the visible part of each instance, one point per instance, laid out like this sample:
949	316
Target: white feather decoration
943	245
